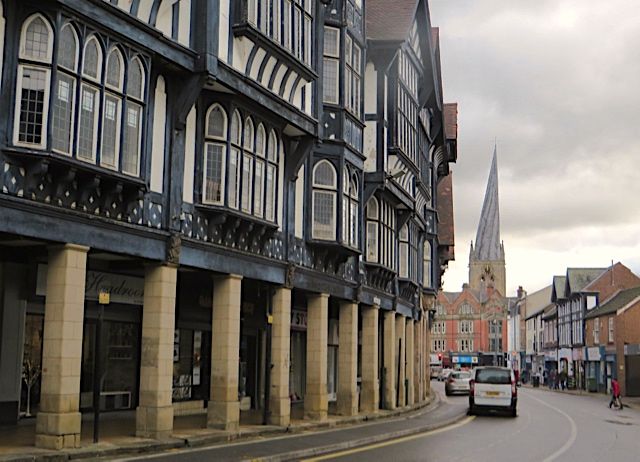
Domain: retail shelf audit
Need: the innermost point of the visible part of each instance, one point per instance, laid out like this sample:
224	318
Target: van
493	388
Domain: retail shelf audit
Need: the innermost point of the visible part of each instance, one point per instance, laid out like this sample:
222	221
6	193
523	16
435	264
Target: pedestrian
615	394
545	377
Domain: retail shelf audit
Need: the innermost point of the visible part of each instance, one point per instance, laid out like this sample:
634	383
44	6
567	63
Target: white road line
574	430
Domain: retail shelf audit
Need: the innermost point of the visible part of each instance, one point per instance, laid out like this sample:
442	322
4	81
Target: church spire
488	246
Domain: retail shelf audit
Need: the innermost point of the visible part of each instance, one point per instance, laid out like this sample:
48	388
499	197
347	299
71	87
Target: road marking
574	431
391	442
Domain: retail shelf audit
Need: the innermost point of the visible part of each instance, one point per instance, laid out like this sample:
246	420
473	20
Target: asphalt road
550	426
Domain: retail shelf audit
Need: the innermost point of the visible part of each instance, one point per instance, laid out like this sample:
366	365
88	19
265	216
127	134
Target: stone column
390	349
369	394
316	402
401	366
58	423
224	406
154	415
427	359
419	353
348	359
280	403
410	362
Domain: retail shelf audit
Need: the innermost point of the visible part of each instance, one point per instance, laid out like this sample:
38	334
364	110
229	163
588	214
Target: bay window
95	115
350	209
214	155
331	65
248	174
65	92
32	89
353	77
373	217
287	22
381	239
324	201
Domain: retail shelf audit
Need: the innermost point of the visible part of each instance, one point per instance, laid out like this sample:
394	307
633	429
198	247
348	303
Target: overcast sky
557	82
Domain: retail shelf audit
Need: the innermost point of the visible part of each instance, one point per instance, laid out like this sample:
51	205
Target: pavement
272	443
632	402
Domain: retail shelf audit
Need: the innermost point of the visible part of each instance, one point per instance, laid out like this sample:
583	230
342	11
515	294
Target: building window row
287	22
96	96
241	161
439	345
439	327
465	309
465	345
465	327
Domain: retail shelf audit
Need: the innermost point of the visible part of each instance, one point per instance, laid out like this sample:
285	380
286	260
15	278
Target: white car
493	388
444	374
458	382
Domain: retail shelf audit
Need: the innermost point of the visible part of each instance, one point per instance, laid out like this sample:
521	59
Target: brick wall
627	330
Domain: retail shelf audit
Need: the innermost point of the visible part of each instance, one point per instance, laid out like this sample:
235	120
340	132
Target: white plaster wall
257	62
370	146
223	32
289	85
144	10
268	69
159	135
299	201
241	49
280	207
309	98
164	20
189	157
184	27
370	93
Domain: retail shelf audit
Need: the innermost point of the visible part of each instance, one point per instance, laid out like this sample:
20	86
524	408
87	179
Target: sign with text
298	319
121	289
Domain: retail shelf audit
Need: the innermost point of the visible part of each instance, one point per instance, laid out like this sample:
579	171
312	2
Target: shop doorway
117	348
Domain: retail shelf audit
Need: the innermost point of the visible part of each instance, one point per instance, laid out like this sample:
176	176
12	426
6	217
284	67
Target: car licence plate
492	393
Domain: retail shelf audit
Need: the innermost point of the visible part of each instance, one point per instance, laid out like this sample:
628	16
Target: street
550	426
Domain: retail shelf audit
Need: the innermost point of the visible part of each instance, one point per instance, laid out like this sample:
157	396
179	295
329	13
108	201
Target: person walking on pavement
615	394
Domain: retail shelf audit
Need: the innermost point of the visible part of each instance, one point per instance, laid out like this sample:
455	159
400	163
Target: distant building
470	327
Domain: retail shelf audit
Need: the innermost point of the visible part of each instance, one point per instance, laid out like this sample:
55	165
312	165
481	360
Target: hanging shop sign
128	290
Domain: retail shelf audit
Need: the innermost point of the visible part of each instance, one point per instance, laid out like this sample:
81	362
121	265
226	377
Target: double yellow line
383	444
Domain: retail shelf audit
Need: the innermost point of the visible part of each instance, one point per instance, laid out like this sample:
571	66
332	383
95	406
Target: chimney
520	292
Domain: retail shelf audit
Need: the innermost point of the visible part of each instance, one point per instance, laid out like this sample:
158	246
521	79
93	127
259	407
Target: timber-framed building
218	207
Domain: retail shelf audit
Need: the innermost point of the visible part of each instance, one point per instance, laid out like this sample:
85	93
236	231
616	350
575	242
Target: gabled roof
538	301
615	303
558	288
388	20
579	278
550	312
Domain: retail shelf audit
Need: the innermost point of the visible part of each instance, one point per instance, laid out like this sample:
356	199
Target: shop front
297	369
594	368
110	341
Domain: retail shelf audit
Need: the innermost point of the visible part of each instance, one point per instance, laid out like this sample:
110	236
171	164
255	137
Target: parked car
444	374
458	382
493	388
435	371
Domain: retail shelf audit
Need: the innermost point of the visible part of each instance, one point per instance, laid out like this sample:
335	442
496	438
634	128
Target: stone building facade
220	207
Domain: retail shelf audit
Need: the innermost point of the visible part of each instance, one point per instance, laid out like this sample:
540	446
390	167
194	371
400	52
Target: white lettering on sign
122	289
298	319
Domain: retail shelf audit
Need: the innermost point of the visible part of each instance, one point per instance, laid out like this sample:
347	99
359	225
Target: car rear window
496	376
461	375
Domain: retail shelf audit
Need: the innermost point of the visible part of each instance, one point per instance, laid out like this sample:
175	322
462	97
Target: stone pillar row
59	421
